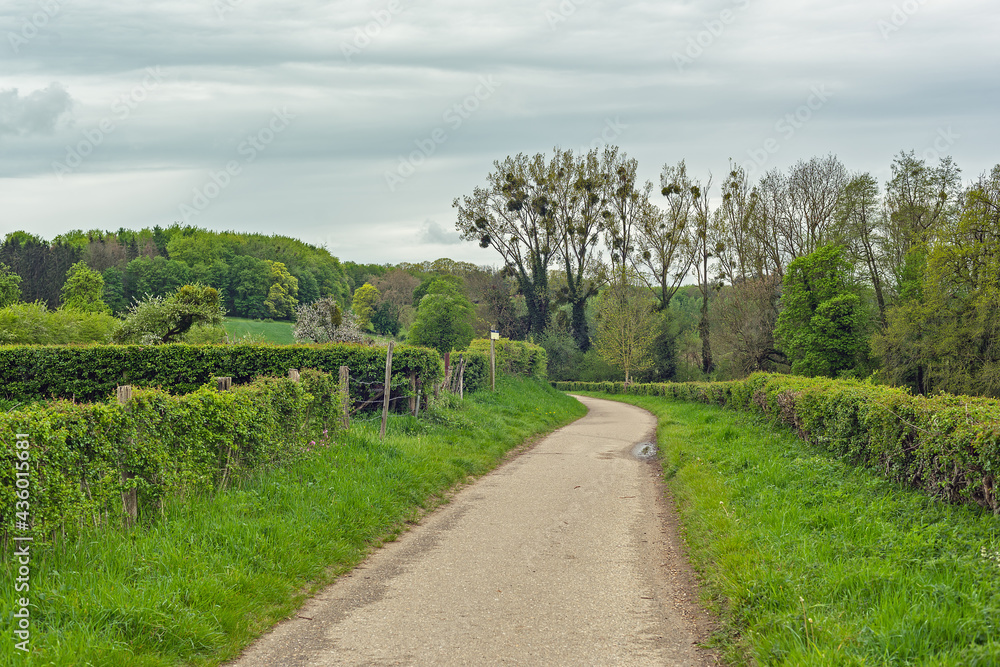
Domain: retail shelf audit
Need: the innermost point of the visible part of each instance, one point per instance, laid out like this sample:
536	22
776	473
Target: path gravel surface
565	555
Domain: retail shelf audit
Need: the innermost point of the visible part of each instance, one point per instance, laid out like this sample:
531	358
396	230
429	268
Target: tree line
815	269
257	276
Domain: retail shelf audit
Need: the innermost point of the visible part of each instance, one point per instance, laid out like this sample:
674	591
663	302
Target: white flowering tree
323	322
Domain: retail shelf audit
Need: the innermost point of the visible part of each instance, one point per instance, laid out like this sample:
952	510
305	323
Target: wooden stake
293	374
345	397
388	388
461	377
493	365
223	383
413	394
129	499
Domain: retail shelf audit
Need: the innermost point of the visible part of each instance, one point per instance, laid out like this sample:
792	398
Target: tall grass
199	584
811	561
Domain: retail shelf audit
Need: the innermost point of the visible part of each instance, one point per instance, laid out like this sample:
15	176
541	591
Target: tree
513	214
83	290
740	243
703	251
579	186
166	319
664	251
628	211
919	201
444	319
746	316
859	217
323	322
821	325
10	286
626	329
281	295
114	290
944	333
385	319
250	285
366	299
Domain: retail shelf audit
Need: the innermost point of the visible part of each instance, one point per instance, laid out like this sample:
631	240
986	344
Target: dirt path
566	555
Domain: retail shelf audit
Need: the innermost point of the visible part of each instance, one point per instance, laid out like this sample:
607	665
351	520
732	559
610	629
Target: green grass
812	561
279	333
198	585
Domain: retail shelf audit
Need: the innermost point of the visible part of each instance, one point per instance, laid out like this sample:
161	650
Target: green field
196	586
279	333
810	560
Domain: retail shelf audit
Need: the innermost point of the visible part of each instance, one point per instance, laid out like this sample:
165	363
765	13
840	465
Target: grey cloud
34	113
432	232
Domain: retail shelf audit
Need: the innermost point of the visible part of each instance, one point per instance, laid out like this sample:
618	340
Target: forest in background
243	267
814	270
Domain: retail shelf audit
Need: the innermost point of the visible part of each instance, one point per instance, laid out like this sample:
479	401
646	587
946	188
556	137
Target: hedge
947	445
36	372
513	358
82	457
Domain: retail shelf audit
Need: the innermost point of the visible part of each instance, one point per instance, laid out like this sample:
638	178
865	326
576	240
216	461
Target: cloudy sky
356	124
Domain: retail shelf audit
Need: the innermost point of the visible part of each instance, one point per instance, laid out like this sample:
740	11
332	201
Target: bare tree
798	210
860	217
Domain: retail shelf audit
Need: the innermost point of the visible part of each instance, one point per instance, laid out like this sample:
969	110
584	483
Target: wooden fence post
461	376
223	383
388	388
345	397
493	364
412	403
293	374
129	499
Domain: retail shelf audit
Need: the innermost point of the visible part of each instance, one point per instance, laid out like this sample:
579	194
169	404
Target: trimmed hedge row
35	372
514	357
81	458
947	445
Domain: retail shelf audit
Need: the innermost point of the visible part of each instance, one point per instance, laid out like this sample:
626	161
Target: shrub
29	373
83	457
34	324
514	357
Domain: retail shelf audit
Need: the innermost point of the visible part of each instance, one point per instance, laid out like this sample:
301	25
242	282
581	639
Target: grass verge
812	561
215	572
279	333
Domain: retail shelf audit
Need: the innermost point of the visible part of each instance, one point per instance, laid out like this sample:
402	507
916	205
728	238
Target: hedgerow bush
84	456
947	445
30	373
514	357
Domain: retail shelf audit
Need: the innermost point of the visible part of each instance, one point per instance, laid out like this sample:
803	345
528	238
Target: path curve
566	555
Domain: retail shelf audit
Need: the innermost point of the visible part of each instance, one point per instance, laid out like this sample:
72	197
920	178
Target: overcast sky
356	124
